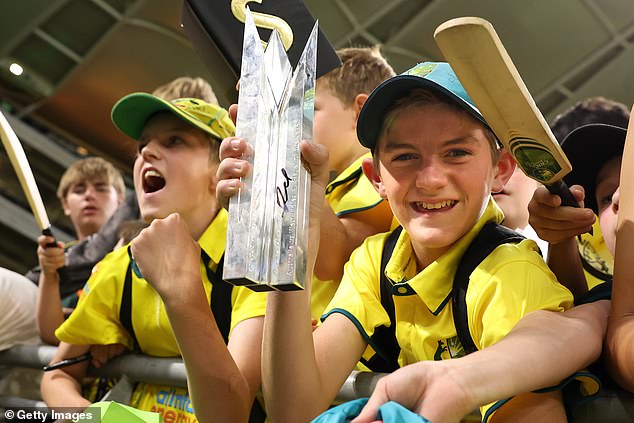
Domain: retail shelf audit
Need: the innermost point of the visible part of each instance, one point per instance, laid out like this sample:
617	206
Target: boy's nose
615	200
430	176
150	150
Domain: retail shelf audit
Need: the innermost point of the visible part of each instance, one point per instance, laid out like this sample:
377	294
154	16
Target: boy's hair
90	169
186	87
361	71
424	97
590	110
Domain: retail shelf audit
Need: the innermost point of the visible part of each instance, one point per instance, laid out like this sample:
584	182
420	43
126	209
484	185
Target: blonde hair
361	71
186	87
423	97
90	169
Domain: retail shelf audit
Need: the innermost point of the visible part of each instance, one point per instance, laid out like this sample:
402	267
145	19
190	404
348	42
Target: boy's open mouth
423	206
152	181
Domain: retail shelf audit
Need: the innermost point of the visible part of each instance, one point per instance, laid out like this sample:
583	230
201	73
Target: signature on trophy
282	196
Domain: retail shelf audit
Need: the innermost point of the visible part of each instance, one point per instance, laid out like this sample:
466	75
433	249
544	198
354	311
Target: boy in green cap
180	259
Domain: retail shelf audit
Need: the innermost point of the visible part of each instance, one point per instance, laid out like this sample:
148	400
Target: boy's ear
358	103
65	208
373	175
505	168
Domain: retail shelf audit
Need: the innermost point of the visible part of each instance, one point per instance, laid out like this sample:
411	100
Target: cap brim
386	94
588	148
131	113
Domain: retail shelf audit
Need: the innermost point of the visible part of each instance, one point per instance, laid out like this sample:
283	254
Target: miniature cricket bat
623	288
25	175
478	57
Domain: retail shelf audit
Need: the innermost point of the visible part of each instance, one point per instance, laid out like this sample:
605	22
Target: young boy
353	210
436	162
595	256
90	191
595	152
180	258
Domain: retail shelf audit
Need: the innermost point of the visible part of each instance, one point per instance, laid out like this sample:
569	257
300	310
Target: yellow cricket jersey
350	192
511	282
96	318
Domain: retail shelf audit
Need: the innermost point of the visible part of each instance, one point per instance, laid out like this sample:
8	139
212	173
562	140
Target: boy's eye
141	146
102	187
403	157
457	152
174	140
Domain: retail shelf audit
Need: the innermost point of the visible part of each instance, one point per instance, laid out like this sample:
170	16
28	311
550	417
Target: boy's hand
429	389
554	223
101	354
167	256
50	258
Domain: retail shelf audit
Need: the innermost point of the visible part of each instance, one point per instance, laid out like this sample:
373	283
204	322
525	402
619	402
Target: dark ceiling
80	56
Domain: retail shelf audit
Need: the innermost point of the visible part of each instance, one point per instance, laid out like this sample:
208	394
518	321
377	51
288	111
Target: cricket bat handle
48	232
561	189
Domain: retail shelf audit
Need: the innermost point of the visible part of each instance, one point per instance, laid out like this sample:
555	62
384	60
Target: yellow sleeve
511	282
358	296
95	320
246	304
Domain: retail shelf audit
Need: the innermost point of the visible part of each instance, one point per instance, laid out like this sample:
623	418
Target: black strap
220	301
488	239
125	312
384	338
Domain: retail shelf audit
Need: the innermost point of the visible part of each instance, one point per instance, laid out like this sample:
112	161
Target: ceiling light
16	69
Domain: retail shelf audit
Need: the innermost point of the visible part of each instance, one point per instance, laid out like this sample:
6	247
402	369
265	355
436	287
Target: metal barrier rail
164	371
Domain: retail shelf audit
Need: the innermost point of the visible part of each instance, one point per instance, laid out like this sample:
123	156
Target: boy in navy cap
436	161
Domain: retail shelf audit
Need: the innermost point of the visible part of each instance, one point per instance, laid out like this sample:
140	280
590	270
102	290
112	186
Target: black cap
588	148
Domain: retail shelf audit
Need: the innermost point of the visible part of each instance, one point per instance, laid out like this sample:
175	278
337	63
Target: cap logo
421	70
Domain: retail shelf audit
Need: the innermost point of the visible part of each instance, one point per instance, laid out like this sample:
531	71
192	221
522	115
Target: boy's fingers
316	159
226	189
234	147
369	412
232	169
233	111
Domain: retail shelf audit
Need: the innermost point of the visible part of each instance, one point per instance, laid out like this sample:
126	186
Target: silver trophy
267	234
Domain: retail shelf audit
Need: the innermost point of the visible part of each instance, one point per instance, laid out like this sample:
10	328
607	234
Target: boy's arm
620	336
300	377
559	226
61	387
49	305
543	348
341	235
221	388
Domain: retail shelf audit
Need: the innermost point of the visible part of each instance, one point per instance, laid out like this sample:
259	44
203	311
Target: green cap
132	112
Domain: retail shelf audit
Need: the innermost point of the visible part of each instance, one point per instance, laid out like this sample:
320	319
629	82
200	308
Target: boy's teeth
152	173
433	206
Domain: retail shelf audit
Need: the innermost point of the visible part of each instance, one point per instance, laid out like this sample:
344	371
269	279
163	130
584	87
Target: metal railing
162	371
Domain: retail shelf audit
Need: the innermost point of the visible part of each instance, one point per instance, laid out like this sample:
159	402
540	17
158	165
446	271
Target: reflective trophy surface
267	233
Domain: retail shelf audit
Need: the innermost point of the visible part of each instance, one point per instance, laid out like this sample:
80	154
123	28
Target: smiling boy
436	162
180	258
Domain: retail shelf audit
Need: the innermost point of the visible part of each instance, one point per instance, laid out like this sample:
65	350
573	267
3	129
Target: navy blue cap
435	76
588	148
